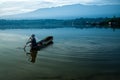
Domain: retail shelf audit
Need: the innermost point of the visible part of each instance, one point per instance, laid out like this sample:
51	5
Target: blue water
78	54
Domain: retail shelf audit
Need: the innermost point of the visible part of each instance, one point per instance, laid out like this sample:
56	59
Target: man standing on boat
33	48
33	42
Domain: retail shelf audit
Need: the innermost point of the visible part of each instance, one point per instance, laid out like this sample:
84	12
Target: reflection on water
77	54
32	55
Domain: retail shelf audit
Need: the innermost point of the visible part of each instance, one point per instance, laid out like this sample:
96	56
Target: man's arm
29	41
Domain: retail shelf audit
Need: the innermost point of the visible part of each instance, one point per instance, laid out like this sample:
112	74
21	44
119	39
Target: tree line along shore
113	22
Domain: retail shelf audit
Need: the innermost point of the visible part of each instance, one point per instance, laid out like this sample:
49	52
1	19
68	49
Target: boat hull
45	42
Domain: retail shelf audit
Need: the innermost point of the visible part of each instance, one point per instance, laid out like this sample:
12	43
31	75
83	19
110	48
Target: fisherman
32	40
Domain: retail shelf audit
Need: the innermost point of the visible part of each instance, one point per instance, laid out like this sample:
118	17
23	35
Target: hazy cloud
9	7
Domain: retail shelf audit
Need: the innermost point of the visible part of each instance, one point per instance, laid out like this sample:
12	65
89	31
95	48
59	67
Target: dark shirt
33	43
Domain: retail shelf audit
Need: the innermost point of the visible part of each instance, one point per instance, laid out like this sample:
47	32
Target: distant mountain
70	11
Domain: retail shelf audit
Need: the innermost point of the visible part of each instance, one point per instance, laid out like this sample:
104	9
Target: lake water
77	54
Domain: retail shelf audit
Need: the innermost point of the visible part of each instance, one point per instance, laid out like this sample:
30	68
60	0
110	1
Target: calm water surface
77	54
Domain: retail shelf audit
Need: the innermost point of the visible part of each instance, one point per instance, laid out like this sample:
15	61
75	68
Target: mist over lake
77	54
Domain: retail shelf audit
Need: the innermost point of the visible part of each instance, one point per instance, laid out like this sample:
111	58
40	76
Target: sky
10	7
